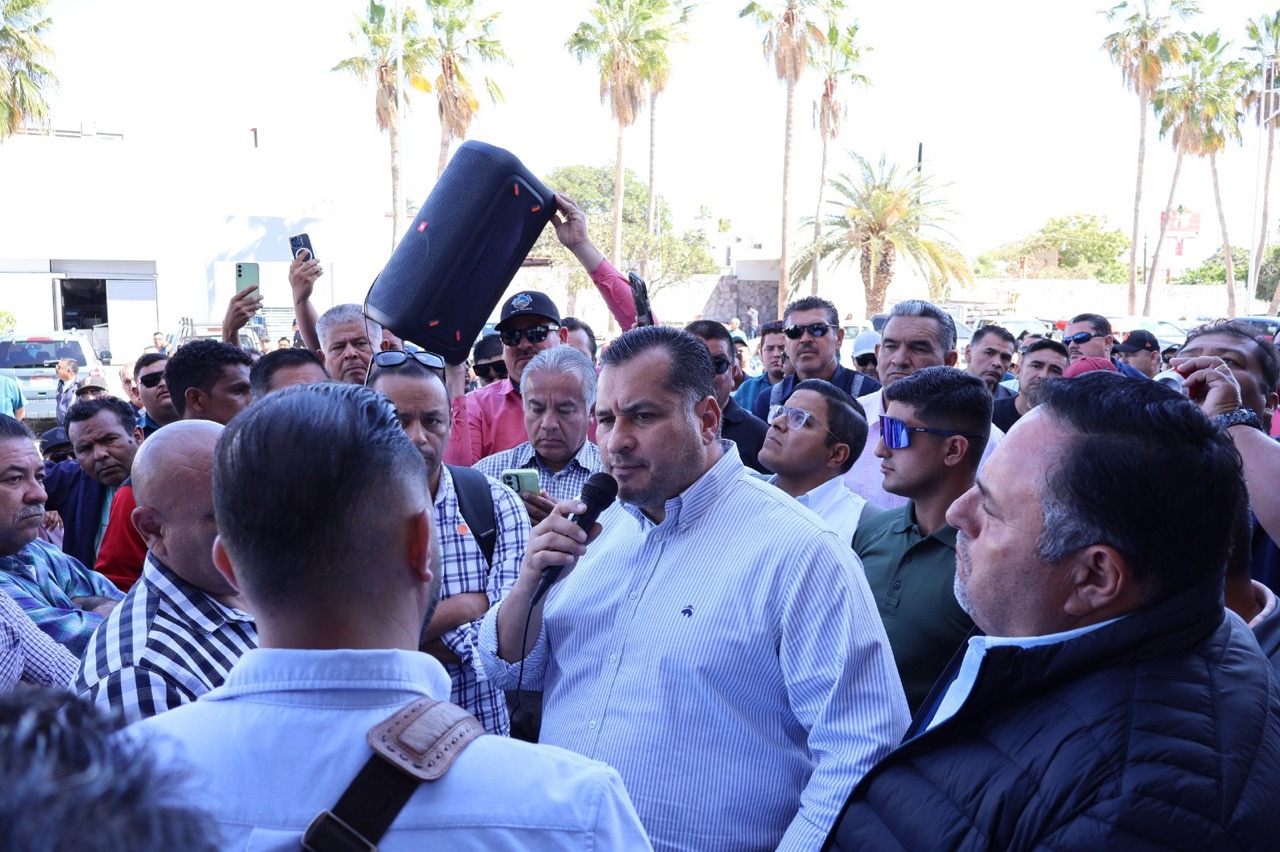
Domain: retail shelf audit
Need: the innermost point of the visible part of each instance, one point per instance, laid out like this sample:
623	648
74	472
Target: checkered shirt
43	580
564	484
464	569
166	644
27	654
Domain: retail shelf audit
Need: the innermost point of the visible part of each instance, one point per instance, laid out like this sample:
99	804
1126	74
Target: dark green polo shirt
911	579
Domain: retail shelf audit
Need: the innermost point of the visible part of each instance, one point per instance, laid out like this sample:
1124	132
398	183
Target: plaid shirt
27	654
464	569
43	580
565	484
166	644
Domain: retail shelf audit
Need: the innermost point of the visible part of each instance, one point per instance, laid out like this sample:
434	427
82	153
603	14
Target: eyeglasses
150	380
796	418
1079	338
866	360
533	334
391	358
897	435
817	329
59	456
490	370
721	365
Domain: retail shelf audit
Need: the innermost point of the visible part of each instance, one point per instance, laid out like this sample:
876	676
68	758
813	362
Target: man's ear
837	455
563	333
148	525
420	530
222	562
1101	582
951	358
708	413
195	399
138	435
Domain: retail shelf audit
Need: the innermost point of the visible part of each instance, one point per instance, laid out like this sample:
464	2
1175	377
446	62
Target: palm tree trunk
1137	208
1266	199
651	211
1226	242
571	303
615	252
816	257
445	138
393	131
784	275
1164	225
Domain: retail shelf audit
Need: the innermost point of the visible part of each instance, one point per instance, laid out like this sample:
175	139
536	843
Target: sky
1020	113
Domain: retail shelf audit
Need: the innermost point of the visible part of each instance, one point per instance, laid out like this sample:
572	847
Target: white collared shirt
838	507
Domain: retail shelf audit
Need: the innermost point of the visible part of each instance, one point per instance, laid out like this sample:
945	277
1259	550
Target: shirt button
633	595
613	658
591	724
897	584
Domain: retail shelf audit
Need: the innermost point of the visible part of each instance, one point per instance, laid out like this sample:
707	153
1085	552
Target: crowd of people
896	603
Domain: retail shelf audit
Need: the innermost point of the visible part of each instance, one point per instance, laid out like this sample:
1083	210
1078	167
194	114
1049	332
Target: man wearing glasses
813	347
811	444
1089	336
736	423
151	394
932	434
486	360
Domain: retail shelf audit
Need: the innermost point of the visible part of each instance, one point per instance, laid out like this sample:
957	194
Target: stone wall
731	298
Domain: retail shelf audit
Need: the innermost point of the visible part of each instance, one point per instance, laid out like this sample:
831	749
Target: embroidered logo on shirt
687	612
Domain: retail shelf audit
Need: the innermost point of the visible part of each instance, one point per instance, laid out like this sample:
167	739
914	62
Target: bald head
173	489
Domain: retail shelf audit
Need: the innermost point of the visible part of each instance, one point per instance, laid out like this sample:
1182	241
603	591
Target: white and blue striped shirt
564	484
741	691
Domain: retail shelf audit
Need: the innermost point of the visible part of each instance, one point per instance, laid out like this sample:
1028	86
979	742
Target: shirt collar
204	613
946	534
824	493
310	674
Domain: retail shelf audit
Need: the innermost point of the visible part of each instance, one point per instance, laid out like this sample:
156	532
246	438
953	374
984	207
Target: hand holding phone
298	242
246	277
521	480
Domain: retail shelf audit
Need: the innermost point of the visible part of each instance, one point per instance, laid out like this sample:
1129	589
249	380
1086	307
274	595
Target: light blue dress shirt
740	684
284	735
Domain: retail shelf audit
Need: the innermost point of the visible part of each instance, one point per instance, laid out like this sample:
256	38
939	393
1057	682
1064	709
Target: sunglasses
866	360
59	456
897	435
721	365
533	334
817	329
150	380
1079	338
391	358
796	418
491	370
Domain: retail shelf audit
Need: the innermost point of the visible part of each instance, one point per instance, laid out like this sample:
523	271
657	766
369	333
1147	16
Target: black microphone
598	492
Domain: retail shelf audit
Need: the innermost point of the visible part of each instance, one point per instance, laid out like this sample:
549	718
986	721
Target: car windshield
39	352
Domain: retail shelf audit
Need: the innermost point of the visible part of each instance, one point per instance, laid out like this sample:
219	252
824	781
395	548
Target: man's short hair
338	510
85	409
774	327
928	310
12	427
998	330
1052	345
340	314
947	398
710	330
846	418
560	361
146	361
69	364
489	346
1098	324
1123	480
268	365
690	375
575	324
199	364
813	303
71	781
1268	358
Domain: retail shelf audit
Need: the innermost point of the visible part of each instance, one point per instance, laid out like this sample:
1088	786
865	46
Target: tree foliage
460	34
1213	272
24	78
1087	247
673	257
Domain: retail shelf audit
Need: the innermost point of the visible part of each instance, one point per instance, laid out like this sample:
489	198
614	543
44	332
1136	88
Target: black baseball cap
1139	341
528	303
53	439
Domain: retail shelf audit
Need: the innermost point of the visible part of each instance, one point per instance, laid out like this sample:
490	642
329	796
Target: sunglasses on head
490	370
150	380
817	329
1079	338
533	334
897	435
392	358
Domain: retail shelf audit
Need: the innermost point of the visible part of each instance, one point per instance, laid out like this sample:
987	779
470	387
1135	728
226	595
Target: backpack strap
419	743
475	504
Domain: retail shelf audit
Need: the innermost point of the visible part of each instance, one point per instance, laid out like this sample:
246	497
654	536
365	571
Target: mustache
29	512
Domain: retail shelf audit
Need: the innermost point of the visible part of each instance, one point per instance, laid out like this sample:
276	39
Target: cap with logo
91	383
1139	341
528	303
54	439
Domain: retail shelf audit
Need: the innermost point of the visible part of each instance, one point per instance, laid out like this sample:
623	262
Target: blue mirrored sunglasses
897	435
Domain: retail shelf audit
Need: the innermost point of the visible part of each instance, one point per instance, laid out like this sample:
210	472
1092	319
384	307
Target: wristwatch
1239	417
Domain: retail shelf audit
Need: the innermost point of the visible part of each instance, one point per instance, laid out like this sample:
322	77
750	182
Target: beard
960	586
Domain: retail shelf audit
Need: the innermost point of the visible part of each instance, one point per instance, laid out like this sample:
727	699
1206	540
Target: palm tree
388	42
836	59
657	77
1200	107
880	214
1140	50
1262	95
458	36
788	33
23	76
627	39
